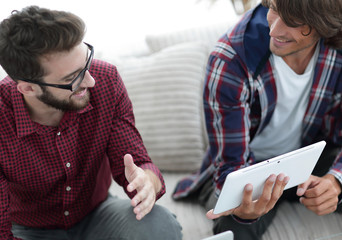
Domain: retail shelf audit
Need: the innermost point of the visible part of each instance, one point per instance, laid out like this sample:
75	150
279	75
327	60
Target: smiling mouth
81	93
281	40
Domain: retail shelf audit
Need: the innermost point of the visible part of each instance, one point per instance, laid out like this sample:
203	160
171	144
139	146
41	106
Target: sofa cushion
208	35
3	74
166	92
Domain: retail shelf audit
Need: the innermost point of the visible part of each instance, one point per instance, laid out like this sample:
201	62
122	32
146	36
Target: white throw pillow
3	74
166	92
209	35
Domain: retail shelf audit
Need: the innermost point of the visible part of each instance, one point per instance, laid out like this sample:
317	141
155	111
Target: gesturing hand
146	185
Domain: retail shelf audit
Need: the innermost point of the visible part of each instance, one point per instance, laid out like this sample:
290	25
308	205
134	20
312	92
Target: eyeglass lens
80	77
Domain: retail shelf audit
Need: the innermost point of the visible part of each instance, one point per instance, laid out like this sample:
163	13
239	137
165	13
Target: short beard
63	105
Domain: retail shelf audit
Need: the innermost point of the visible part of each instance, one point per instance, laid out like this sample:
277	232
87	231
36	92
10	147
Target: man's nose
88	81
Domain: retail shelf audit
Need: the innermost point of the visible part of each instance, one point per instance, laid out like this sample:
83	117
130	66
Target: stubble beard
63	105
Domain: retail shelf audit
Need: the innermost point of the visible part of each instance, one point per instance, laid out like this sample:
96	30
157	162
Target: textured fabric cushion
208	35
3	74
166	92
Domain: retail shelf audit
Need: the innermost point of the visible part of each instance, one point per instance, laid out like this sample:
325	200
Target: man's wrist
335	181
155	180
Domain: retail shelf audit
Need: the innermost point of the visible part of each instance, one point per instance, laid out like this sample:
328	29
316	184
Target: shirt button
66	213
68	165
68	188
59	133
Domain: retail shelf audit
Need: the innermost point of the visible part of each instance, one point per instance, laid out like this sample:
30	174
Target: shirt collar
22	118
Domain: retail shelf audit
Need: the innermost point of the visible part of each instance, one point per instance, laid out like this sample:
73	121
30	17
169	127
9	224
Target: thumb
128	161
301	189
211	215
130	167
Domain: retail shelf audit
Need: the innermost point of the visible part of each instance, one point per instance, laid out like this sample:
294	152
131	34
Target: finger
313	197
301	189
247	196
321	187
141	195
143	201
313	192
247	206
211	215
267	191
324	208
279	185
278	190
137	182
144	207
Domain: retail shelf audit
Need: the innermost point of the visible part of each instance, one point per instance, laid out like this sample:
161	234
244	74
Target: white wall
119	26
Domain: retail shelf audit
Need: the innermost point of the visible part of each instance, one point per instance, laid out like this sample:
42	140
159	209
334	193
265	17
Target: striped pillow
166	92
3	74
209	35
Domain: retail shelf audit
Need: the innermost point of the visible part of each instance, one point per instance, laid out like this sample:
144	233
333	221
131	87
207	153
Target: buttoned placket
67	188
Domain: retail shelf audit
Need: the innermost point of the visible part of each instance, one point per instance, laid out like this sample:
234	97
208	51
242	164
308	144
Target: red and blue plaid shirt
240	97
51	177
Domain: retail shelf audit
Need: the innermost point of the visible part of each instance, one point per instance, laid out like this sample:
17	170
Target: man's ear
26	88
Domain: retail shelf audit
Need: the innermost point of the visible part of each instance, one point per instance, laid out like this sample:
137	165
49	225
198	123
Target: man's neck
42	113
298	65
300	60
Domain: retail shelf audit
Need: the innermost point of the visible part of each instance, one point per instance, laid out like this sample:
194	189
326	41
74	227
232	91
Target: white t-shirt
283	133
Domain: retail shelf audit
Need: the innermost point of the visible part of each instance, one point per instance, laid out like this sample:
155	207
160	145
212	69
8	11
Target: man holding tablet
273	85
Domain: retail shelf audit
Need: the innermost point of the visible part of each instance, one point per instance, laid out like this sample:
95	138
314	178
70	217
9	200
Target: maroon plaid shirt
52	177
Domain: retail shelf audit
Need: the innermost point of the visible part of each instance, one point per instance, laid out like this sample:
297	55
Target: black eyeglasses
73	86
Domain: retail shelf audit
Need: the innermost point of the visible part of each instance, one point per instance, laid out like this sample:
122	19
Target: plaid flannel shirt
240	97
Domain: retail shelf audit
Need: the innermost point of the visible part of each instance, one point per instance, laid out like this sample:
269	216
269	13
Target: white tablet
298	165
227	235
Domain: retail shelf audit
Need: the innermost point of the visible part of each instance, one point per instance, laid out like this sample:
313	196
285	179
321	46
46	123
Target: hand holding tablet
298	165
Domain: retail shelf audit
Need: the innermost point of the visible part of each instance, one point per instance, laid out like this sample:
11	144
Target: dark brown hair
27	35
325	16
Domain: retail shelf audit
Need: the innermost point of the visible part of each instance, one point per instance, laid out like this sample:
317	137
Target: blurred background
119	26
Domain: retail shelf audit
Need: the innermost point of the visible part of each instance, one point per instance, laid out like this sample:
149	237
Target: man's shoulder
7	86
108	83
327	51
248	39
105	74
100	67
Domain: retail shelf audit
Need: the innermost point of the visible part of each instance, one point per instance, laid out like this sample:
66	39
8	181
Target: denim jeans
112	220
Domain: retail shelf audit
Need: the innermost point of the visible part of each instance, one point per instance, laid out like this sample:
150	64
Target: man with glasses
66	129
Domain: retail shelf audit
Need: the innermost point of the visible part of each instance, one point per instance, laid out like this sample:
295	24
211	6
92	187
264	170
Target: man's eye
70	79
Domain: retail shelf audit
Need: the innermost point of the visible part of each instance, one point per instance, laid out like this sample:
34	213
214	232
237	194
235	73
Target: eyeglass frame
68	86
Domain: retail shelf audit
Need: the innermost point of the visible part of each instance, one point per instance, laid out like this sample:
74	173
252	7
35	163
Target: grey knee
159	222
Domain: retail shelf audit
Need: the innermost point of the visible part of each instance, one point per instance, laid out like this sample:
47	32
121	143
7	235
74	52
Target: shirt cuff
338	176
244	221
